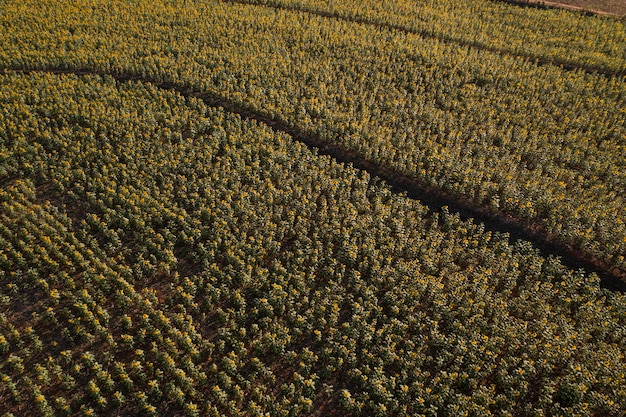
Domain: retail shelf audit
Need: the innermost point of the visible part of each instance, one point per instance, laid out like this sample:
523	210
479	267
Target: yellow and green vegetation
540	142
554	36
163	256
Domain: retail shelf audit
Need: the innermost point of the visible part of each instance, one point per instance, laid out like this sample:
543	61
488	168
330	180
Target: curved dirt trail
435	199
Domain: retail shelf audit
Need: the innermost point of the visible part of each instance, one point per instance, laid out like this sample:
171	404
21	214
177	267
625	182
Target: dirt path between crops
566	65
434	198
597	7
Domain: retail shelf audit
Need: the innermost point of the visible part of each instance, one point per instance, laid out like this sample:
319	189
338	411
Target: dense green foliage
159	256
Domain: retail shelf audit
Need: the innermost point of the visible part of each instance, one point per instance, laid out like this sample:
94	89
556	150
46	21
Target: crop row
159	256
569	39
538	142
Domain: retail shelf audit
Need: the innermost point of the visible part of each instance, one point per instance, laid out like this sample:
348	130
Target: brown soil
601	7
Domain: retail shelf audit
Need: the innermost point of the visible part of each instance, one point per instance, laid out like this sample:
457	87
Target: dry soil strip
435	199
540	4
566	65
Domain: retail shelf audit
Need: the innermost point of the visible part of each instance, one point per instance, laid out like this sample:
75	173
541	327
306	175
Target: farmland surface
606	7
196	216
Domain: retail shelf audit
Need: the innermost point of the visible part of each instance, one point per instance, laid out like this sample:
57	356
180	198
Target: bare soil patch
600	7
